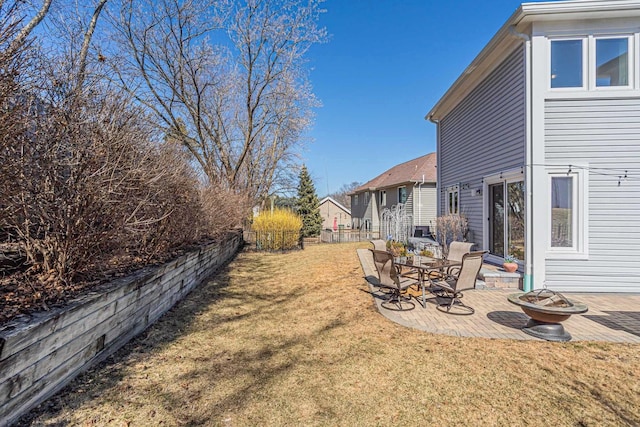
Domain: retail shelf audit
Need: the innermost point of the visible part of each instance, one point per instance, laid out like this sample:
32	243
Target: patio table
424	267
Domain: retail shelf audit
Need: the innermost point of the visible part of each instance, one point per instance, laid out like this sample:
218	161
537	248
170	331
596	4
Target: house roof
422	169
332	200
506	39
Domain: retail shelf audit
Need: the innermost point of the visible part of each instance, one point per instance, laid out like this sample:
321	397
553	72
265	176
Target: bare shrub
14	61
223	209
449	228
89	177
91	183
165	211
187	221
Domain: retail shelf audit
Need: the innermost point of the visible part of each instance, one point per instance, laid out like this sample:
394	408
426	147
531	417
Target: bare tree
71	28
225	79
86	42
342	195
15	9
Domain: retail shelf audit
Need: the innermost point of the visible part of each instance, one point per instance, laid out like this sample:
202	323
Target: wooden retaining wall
40	354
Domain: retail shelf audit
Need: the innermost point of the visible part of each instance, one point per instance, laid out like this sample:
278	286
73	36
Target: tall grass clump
277	230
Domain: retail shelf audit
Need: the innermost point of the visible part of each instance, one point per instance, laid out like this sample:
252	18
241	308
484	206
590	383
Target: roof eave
361	190
463	80
337	203
503	40
404	183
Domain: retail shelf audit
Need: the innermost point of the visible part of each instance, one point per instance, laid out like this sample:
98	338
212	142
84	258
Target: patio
611	317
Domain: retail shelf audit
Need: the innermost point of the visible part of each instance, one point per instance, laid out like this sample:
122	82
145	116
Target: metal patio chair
456	251
379	244
391	280
450	286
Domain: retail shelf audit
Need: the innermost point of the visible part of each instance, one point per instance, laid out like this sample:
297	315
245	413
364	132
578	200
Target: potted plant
510	264
397	249
403	254
426	253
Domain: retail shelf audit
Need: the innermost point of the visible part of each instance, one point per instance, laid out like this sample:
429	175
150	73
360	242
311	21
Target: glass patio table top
424	266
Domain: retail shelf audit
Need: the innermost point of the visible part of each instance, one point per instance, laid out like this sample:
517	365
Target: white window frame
355	200
449	193
585	67
589	62
580	203
405	193
592	61
636	60
383	197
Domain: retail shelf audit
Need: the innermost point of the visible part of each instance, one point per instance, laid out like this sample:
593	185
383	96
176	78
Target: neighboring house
539	145
334	215
412	183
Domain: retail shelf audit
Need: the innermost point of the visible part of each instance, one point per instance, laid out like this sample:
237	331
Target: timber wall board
40	354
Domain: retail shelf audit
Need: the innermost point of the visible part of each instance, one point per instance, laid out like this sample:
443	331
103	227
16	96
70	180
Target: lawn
295	339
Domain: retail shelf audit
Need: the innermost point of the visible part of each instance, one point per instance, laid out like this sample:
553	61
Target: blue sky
385	65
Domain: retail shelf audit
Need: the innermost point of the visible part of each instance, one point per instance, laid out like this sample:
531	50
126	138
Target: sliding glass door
506	219
496	219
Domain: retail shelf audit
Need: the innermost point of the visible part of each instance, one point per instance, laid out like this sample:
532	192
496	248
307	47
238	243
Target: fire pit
546	309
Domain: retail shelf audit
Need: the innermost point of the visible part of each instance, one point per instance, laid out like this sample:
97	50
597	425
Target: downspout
419	184
528	178
437	123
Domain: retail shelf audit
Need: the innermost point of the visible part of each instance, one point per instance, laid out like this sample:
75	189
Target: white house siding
605	133
426	196
484	135
429	208
409	204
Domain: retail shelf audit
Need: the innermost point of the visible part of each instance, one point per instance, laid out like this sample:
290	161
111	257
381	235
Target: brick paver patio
611	317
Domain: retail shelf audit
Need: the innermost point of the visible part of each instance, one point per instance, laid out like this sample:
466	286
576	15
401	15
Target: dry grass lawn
294	339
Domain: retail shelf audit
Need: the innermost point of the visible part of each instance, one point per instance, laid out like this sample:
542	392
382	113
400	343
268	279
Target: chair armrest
454	270
442	281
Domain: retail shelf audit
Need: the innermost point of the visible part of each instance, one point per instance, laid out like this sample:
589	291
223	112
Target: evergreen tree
308	205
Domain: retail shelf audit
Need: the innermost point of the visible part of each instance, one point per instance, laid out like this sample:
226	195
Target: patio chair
393	282
450	286
379	244
456	251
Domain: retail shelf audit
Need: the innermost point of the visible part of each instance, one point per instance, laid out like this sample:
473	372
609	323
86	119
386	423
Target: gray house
539	145
412	183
